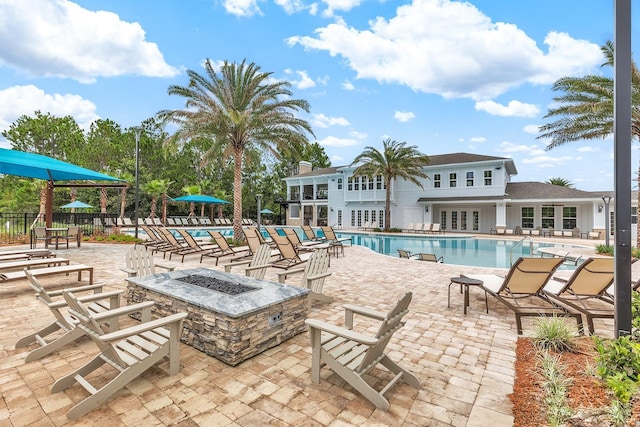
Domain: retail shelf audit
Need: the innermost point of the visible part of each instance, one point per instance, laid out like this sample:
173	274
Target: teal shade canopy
266	211
76	204
200	198
31	165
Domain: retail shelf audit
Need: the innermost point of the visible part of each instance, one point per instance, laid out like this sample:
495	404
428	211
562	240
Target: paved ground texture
464	362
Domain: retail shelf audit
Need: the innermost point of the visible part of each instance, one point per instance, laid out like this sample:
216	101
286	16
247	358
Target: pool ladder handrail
520	243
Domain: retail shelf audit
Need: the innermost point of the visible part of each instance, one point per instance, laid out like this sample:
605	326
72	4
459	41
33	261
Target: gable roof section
317	172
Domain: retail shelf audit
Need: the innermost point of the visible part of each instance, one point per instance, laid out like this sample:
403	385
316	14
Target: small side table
464	283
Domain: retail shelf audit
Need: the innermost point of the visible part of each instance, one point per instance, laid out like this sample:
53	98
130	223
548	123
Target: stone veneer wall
231	340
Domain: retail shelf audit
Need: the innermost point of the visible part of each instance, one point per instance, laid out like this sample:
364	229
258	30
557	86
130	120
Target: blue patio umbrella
31	165
266	211
200	198
77	204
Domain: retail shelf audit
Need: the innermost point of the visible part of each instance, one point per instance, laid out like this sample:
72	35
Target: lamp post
606	200
259	200
137	198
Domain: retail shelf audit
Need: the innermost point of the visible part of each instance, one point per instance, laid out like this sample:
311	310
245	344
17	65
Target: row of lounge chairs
423	256
426	228
176	222
532	288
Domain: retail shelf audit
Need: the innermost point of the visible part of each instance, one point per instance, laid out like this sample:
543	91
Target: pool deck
465	362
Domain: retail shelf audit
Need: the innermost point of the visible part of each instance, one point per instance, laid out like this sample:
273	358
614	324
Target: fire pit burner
224	286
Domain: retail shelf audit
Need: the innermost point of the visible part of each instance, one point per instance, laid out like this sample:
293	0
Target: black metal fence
16	227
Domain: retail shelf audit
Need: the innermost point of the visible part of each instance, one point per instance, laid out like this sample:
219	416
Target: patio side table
465	283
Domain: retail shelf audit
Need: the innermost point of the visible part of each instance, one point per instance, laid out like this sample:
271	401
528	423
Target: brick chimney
304	167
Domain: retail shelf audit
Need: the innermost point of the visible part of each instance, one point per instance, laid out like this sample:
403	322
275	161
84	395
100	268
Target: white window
488	177
453	179
436	180
339	183
469	179
294	211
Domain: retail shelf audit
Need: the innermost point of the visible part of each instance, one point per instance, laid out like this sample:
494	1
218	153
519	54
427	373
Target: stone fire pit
231	317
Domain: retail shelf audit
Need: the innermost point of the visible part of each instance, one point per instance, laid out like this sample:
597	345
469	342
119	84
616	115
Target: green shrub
395	230
555	387
553	333
621	355
604	249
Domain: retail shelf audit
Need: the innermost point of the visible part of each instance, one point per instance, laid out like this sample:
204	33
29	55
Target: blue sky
446	76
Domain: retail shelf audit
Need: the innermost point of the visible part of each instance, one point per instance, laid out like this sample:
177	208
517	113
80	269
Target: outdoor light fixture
600	207
606	200
426	209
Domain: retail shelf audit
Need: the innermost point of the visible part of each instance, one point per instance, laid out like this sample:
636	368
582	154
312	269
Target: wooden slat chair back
351	354
130	351
314	275
139	262
98	302
259	262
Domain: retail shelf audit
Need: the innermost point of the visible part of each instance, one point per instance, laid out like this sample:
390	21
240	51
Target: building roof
436	160
527	191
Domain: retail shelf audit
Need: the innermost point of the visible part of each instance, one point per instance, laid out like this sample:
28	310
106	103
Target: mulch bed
586	392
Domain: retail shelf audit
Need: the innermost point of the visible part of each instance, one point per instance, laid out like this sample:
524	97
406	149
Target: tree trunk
164	208
387	205
103	200
154	202
637	211
123	200
237	193
43	203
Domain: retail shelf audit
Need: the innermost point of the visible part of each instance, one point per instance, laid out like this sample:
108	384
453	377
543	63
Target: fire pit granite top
265	293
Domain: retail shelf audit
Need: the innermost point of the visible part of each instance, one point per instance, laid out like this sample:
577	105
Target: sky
442	75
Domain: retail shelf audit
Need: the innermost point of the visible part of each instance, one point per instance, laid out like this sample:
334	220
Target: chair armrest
122	311
257	267
87	298
130	271
227	267
167	267
340	331
319	276
365	311
143	327
283	274
94	287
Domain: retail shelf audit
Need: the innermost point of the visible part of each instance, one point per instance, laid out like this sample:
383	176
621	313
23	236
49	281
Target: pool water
455	250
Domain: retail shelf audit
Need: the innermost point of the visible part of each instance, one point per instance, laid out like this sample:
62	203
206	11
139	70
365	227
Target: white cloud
548	161
25	100
242	7
358	135
322	121
452	49
305	81
404	116
332	141
513	109
290	6
587	149
347	85
531	129
340	5
478	139
336	159
58	38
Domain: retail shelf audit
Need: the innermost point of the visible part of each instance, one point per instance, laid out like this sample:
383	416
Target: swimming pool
455	250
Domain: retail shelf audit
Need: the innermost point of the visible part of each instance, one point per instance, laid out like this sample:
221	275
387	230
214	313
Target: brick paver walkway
465	362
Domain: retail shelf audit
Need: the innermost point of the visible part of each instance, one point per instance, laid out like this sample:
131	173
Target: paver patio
465	362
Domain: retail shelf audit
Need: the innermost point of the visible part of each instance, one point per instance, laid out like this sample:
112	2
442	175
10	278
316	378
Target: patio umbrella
266	211
31	165
76	204
200	198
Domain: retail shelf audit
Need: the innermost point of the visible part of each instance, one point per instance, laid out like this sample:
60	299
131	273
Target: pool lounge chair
64	325
403	253
436	228
333	240
586	290
130	351
172	244
309	234
427	257
224	249
525	282
289	256
409	228
352	354
307	245
194	246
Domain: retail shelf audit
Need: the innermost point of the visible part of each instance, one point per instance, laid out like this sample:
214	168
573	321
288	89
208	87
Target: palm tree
155	188
238	108
585	109
128	177
396	160
562	182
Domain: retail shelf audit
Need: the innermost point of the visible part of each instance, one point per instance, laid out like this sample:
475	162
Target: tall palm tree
585	109
155	189
562	182
238	108
396	160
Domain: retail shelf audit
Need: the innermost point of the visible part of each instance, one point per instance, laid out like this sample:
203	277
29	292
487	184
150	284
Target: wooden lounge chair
130	351
525	281
31	253
314	274
31	263
289	256
224	249
64	325
257	265
50	271
351	354
588	283
139	262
